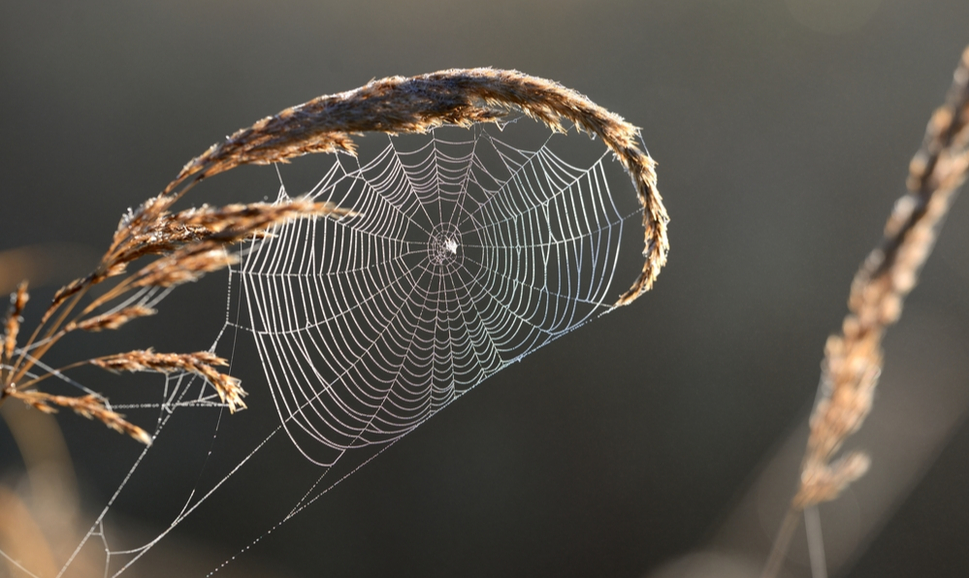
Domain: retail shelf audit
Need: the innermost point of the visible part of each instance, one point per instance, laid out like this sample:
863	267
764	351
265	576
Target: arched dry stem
450	97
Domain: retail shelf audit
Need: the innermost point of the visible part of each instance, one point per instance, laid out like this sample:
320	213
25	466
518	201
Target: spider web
454	268
465	254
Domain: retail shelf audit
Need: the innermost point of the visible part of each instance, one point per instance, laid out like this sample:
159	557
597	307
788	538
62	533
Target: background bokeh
640	445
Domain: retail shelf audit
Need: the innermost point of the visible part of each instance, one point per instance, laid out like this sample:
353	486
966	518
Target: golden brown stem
853	358
418	104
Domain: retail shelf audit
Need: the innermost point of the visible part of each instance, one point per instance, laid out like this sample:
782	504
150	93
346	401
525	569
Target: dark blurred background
661	440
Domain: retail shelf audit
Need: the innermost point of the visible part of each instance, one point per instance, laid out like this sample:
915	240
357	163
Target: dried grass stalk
222	225
87	406
418	104
151	230
853	359
111	320
11	327
201	363
184	265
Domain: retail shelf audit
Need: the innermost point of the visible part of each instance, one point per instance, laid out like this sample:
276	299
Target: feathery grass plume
11	327
222	225
186	264
88	406
418	104
201	363
236	222
111	320
853	359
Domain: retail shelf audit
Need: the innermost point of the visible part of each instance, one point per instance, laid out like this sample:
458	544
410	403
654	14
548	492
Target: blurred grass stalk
853	359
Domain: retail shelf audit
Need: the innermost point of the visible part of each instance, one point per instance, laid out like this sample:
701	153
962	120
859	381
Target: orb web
466	254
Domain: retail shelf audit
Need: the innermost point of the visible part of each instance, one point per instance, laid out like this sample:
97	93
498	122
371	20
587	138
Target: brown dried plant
853	359
188	244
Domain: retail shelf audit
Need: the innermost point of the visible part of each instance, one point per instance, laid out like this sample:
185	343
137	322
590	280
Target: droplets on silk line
467	253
